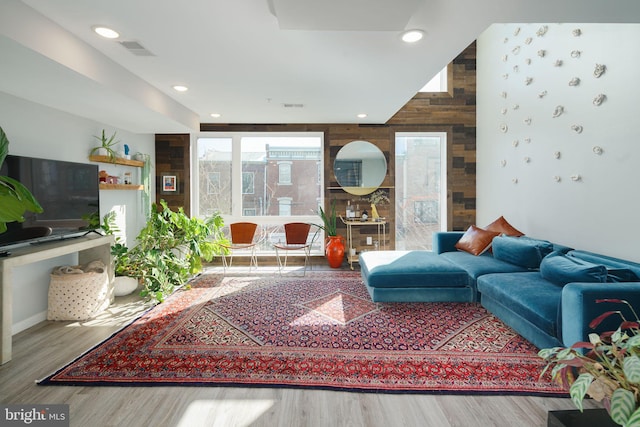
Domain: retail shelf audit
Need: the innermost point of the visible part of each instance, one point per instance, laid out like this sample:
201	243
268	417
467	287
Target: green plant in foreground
171	248
15	198
608	372
123	263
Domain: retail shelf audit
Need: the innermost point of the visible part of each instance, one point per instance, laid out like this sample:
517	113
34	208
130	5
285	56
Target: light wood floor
47	346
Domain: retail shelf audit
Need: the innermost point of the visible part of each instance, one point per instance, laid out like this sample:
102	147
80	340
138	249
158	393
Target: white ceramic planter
124	285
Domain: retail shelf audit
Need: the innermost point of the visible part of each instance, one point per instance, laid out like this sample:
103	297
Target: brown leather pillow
503	227
476	240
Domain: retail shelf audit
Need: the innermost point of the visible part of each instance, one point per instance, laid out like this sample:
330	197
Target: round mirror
360	167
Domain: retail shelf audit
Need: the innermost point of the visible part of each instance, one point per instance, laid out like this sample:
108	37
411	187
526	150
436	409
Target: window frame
447	93
236	214
443	181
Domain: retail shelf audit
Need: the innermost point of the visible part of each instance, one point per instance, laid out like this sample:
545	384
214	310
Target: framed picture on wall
169	183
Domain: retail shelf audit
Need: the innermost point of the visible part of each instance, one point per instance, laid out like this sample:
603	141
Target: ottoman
414	276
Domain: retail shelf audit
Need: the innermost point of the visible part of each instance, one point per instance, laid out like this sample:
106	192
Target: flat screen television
67	191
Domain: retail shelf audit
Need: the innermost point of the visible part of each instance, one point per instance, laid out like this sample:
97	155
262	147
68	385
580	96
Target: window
438	83
426	212
260	177
420	188
284	206
248	182
284	173
214	176
213	183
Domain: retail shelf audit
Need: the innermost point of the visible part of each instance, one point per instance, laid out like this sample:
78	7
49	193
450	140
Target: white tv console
89	248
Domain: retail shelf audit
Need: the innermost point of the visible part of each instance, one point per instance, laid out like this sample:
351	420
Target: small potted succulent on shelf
608	367
106	147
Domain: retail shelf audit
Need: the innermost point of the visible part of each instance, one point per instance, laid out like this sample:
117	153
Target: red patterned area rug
319	331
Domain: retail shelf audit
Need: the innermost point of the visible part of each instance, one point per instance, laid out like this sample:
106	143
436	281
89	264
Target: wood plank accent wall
173	158
453	113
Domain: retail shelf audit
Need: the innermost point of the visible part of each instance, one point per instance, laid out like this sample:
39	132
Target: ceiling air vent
293	105
136	48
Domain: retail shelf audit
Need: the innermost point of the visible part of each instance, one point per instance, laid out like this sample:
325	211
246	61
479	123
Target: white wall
37	131
598	212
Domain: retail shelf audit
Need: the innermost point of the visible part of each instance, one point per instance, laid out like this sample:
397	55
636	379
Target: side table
381	226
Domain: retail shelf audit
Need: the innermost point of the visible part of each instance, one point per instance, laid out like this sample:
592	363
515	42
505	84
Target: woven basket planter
78	292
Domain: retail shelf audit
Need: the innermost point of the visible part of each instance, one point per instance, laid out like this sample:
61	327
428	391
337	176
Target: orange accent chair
243	237
296	239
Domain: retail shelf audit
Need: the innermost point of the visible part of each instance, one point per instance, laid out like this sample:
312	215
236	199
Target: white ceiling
246	59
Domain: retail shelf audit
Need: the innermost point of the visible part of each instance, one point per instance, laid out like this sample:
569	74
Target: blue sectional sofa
546	292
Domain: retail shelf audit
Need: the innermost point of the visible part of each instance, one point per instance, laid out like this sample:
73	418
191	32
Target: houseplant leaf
15	198
579	389
23	196
623	404
631	368
4	146
329	219
634	419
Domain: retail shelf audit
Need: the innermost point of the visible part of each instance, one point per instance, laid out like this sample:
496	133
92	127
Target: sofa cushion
410	269
502	226
476	240
526	294
522	251
618	270
616	275
561	269
476	266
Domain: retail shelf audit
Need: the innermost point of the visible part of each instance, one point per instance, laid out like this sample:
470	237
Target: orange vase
334	250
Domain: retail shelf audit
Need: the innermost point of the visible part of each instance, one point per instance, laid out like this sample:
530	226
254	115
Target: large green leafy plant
608	367
15	198
123	264
169	250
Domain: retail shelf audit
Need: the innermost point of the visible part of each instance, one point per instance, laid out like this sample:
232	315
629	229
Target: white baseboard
27	323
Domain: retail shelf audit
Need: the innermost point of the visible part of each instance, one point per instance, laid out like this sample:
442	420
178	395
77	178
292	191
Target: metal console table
350	223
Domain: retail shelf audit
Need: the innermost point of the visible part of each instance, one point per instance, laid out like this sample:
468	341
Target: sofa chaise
546	292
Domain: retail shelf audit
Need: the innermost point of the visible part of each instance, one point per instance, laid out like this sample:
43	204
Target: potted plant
608	367
334	244
106	147
171	248
126	277
15	198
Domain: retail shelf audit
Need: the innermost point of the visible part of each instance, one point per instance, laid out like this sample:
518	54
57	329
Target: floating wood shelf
384	187
117	161
104	186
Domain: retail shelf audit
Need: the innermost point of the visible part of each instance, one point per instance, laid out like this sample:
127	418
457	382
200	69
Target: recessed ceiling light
180	88
215	115
412	36
362	115
106	32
